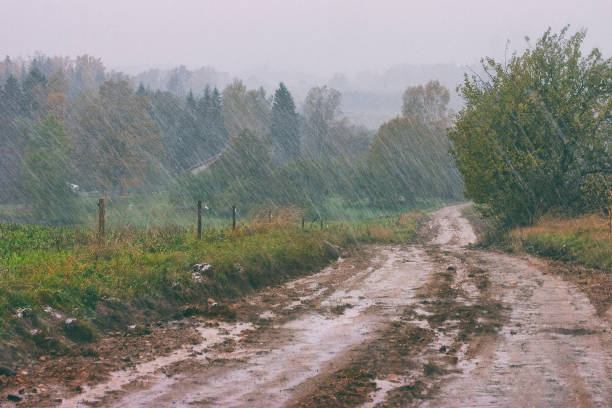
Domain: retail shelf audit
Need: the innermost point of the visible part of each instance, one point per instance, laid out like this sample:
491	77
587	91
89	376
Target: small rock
201	270
23	312
6	371
42	358
211	300
332	250
13	397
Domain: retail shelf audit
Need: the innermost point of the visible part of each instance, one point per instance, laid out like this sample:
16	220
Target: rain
194	193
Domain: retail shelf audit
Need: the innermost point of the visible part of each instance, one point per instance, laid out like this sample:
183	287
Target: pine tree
12	96
191	101
215	120
284	128
204	105
34	91
141	90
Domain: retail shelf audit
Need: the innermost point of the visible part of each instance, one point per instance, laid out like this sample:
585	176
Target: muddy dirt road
434	324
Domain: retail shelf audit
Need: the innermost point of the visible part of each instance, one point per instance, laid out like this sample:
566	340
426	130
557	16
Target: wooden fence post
610	217
199	219
233	217
321	224
270	215
101	208
302	223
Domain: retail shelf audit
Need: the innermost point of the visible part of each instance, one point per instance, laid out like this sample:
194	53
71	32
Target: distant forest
68	128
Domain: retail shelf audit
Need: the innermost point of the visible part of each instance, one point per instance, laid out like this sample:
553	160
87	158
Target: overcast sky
319	37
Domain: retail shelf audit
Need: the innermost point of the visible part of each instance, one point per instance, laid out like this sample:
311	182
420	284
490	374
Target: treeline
68	128
314	159
536	132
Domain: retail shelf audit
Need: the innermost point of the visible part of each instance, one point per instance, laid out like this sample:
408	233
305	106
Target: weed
80	331
339	309
431	369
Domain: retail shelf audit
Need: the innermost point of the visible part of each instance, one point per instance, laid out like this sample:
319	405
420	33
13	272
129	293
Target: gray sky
315	36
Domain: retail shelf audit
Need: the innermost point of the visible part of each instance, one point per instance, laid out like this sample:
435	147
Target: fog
314	37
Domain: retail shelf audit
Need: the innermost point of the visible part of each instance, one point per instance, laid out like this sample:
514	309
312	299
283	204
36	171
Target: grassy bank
141	274
584	240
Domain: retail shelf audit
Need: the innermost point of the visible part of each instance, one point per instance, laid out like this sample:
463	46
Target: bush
537	130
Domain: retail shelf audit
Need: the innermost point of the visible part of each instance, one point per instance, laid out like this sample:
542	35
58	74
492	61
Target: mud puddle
552	352
265	369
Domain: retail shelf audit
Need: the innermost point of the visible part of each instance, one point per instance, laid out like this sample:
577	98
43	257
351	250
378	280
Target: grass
65	267
585	240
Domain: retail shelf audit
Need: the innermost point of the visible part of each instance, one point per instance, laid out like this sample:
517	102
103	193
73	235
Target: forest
71	131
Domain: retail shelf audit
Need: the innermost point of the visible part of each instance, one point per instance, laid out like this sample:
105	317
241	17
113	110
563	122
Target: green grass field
67	269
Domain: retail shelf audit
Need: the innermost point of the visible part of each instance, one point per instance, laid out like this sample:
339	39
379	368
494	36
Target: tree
47	174
535	128
35	92
427	103
88	74
12	100
240	176
285	125
13	127
57	89
191	103
410	160
119	145
179	77
204	105
245	109
214	120
321	108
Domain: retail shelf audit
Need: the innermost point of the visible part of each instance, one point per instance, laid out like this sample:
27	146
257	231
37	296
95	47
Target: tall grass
67	269
585	240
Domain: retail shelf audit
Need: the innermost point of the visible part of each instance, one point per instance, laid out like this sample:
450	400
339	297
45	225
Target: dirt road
434	324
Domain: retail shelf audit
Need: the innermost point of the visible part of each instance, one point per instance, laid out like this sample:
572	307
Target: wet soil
435	323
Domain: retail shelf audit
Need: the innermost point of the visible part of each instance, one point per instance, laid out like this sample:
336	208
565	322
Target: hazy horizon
317	38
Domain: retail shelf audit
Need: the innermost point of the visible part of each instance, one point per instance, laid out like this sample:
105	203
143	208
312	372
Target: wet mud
435	323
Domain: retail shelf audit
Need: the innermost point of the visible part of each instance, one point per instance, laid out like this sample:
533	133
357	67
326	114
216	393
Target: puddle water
150	370
382	388
531	364
266	376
